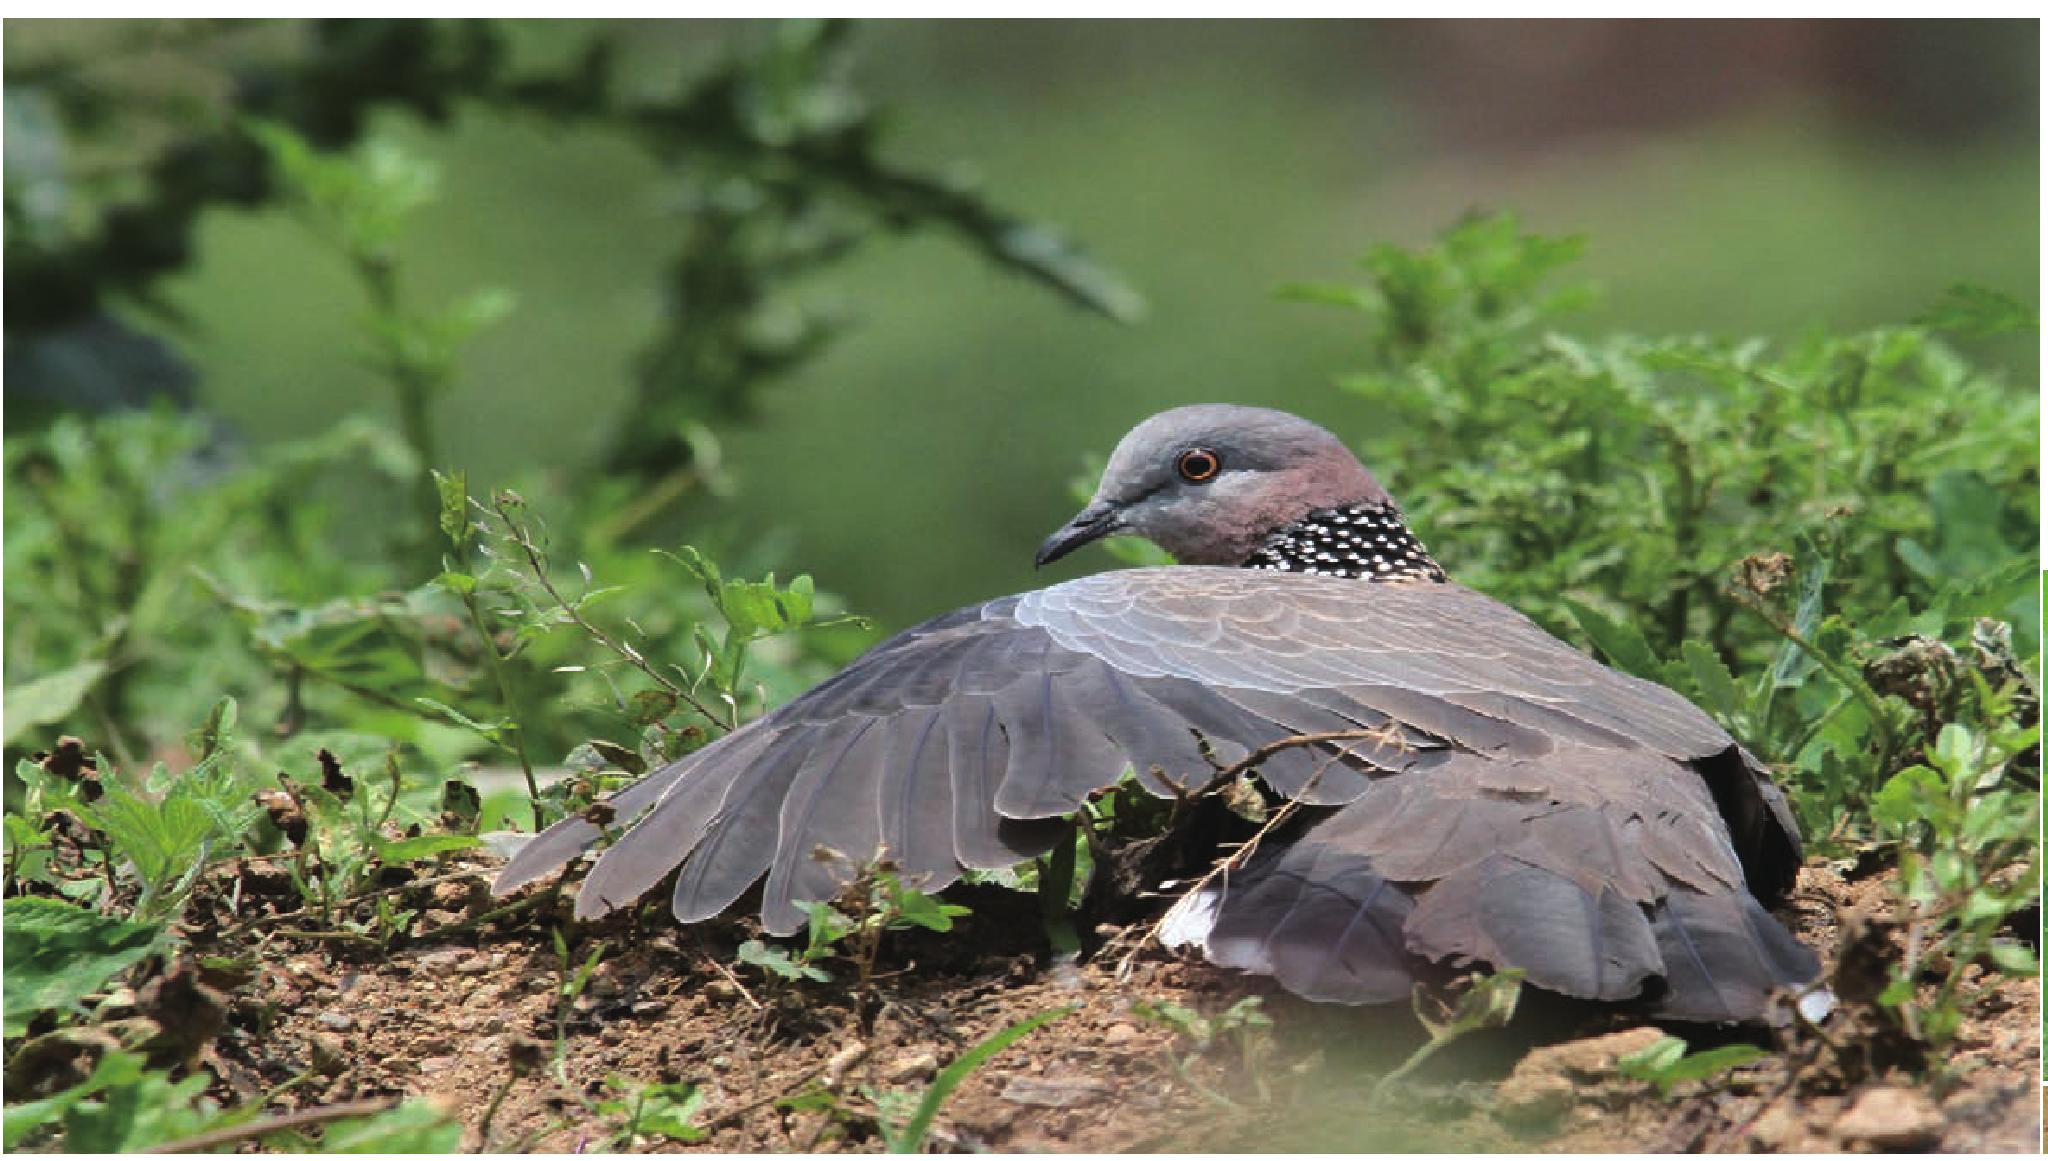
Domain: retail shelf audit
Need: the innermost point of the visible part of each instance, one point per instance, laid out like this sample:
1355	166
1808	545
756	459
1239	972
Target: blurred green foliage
1271	152
1826	540
1788	533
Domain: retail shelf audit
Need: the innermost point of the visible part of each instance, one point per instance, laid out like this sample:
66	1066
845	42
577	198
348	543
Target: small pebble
440	958
1890	1117
913	1067
329	1053
339	1021
1776	1128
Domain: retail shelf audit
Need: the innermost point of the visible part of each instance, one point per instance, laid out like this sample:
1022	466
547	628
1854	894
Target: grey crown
1525	806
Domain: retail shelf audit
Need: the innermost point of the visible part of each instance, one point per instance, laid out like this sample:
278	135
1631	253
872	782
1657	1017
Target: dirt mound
1156	1054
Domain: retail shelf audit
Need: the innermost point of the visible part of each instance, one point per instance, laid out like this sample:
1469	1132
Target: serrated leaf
1711	677
58	954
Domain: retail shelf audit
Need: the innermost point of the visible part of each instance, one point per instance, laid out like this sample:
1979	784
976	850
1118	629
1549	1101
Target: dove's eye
1198	465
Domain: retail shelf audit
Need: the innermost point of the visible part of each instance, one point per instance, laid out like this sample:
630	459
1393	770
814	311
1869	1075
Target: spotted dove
1496	798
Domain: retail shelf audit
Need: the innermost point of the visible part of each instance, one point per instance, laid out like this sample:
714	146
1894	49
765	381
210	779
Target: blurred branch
781	157
349	69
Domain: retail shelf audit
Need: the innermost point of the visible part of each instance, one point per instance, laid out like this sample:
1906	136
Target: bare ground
476	1020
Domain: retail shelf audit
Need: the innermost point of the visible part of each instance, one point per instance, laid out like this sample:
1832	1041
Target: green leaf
165	840
651	705
1667	1064
1904	798
49	698
154	1110
214	734
413	1127
918	909
777	961
1648	1062
402	851
2015	959
910	1138
1980	312
667	1109
115	1068
1622	643
453	489
58	954
491	730
1711	677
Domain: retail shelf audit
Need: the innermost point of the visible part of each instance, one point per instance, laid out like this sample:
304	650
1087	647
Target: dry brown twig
1388	734
305	1118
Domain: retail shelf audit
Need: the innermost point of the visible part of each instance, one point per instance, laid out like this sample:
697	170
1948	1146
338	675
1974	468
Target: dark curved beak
1092	523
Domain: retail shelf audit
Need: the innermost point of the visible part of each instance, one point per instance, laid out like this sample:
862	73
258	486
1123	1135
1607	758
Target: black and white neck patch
1361	541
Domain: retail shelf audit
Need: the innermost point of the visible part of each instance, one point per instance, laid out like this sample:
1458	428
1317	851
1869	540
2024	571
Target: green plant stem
397	788
416	884
205	1142
537	565
1847	679
416	389
335	936
1055	895
1415	1060
483	1129
504	683
646	506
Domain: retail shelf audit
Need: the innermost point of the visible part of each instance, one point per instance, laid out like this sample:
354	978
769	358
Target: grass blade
911	1138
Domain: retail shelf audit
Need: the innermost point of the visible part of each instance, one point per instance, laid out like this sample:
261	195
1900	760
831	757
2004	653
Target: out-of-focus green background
1732	178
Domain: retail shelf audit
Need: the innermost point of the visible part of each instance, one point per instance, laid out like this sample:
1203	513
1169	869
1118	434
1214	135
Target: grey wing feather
736	848
1724	955
960	742
830	826
917	802
982	838
1593	872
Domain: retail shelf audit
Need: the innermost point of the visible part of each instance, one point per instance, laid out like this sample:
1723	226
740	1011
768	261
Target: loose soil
477	1019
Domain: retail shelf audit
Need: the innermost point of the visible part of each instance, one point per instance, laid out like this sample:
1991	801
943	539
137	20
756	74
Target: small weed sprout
1668	1065
658	1110
852	927
1969	857
1489	1001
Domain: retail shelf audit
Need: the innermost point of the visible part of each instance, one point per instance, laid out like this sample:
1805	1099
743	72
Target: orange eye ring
1198	465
